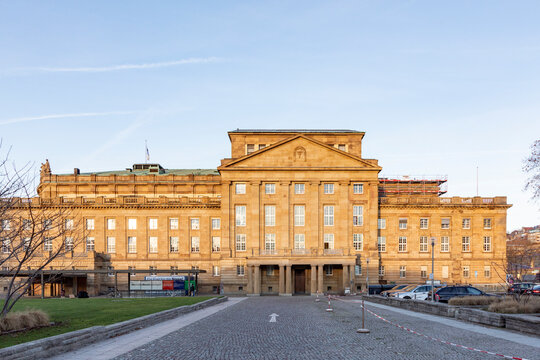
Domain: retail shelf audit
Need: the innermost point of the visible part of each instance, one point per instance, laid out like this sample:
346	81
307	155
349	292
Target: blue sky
439	88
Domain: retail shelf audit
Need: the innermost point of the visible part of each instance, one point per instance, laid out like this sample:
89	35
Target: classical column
281	280
351	278
249	290
345	277
313	280
320	279
257	281
288	280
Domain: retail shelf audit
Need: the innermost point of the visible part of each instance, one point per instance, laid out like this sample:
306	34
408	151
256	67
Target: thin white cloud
62	116
128	66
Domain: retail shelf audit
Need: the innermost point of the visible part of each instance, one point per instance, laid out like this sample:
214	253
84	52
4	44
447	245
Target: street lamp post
367	275
432	268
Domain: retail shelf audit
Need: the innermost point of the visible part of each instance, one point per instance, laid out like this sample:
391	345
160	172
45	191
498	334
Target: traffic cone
329	309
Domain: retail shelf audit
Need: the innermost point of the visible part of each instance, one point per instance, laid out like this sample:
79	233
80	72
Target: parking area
303	329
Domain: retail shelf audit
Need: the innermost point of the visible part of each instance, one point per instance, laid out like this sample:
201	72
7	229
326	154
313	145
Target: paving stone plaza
305	330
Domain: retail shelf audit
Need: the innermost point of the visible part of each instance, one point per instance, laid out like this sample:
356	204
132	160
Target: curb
58	344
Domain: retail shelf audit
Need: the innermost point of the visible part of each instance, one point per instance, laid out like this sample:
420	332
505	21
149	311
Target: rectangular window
381	243
445	223
269	215
403	224
466	271
215	270
111	224
262	146
358	188
27	224
241	215
240	270
6	225
357	270
423	272
90	243
270	270
47	244
110	270
152	270
174	270
328	270
358	242
466	223
216	224
402	271
152	244
487	272
299	189
240	242
423	244
132	224
424	223
173	224
445	244
342	147
89	224
402	244
381	224
173	244
487	223
195	224
445	272
240	188
69	243
6	246
328	188
111	244
250	148
299	241
152	224
270	242
216	244
132	244
358	215
465	244
381	270
195	243
132	268
68	224
299	215
328	241
487	243
270	189
47	224
328	215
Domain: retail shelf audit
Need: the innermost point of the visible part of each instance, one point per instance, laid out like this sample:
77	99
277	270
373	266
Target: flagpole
145	152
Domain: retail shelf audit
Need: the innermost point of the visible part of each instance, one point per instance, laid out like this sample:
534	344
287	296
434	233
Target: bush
473	300
24	320
523	305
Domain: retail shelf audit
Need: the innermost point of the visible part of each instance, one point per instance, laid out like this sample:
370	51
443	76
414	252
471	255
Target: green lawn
76	314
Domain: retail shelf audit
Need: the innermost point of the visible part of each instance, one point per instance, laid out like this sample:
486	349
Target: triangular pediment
299	152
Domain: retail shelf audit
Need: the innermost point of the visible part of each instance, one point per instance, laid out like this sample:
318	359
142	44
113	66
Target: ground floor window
358	270
216	243
270	270
240	242
423	272
487	272
466	271
445	272
402	271
328	270
215	270
381	270
240	270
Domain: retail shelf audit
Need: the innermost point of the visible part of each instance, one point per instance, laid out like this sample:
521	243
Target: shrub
24	320
523	305
473	300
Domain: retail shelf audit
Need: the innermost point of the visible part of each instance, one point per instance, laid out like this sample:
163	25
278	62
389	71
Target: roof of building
295	131
147	172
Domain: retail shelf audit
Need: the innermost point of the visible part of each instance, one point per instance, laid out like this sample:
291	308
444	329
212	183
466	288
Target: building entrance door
299	281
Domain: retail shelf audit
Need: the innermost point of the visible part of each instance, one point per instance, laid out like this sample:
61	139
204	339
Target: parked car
446	293
394	289
419	292
520	288
534	291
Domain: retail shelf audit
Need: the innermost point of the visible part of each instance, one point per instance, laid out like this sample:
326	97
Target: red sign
168	284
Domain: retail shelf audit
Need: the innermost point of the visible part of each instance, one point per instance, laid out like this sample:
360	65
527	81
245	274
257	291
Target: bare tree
531	165
34	234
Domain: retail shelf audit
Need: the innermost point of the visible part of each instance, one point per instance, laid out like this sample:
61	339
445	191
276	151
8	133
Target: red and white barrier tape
432	338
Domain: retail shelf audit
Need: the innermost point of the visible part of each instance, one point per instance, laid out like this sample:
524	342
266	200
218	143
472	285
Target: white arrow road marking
273	317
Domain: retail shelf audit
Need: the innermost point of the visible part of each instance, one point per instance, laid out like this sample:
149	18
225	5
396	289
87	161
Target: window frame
216	239
131	244
424	244
403	221
299	215
424	223
269	215
173	223
270	188
240	212
111	244
447	243
240	188
328	188
358	215
328	215
153	244
402	244
299	188
195	244
465	245
174	250
359	186
358	242
240	242
381	243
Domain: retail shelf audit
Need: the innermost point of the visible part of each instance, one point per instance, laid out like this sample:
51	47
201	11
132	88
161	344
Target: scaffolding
399	185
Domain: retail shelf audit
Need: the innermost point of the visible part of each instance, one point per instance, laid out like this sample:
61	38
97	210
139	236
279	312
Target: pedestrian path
114	347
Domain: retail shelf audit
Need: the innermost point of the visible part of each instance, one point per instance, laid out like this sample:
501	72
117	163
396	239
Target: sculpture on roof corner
45	168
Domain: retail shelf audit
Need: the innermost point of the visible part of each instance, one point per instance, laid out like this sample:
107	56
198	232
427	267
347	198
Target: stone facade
289	212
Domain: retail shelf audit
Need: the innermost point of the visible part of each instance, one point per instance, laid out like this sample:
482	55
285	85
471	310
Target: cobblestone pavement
304	330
